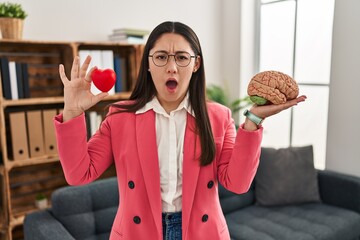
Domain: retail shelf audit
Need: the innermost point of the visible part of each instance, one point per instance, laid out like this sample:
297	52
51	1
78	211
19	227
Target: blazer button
131	184
137	220
204	218
210	184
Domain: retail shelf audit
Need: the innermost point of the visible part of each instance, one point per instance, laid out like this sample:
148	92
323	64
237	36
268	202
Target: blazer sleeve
82	161
239	157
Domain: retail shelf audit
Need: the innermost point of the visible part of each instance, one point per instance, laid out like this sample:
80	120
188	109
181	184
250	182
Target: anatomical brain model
272	87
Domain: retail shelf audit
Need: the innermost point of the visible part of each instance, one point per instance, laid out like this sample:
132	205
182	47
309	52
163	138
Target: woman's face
171	80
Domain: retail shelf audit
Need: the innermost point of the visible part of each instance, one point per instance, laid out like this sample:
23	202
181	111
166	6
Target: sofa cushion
87	205
286	176
230	201
303	222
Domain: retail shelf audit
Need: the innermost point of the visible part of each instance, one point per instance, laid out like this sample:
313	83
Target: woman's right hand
77	95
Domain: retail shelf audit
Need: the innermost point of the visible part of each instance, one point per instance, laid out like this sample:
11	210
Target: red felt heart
104	80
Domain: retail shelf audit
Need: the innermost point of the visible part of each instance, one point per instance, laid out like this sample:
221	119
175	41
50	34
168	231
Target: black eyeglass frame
169	55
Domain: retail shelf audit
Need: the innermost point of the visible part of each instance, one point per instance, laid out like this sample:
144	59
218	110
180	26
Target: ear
197	63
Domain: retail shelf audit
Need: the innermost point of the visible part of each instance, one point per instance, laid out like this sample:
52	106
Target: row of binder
15	79
32	134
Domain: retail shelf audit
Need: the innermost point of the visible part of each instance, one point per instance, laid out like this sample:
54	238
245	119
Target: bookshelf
27	170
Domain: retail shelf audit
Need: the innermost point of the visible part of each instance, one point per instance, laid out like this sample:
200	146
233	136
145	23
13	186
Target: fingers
88	76
75	68
287	105
302	98
63	77
294	102
269	110
84	67
100	97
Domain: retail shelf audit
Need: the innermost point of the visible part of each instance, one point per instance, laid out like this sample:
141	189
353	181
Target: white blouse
170	131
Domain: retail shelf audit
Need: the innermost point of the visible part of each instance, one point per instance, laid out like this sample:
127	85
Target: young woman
171	147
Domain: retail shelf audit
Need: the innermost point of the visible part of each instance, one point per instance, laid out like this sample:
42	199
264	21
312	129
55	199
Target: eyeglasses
161	58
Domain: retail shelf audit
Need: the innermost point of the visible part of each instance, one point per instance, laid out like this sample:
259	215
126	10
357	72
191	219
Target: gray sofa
87	212
77	212
337	217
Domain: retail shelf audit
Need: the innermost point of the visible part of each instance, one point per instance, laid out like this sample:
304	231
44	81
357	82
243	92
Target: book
131	32
88	124
5	76
128	39
19	137
118	71
123	67
13	80
95	120
25	77
20	80
82	55
107	61
129	35
35	133
49	131
96	61
121	74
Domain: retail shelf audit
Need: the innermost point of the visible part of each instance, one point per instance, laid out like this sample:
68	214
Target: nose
171	65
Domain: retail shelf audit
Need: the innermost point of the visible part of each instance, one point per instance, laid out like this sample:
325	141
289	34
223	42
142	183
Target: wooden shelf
32	101
15	231
22	180
3	205
32	161
56	100
118	96
16	221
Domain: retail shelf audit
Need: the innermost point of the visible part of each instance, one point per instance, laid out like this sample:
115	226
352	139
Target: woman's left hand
265	111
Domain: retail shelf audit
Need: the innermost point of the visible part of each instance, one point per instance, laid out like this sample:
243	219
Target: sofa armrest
35	229
339	189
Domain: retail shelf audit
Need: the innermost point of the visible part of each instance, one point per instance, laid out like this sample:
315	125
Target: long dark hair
145	90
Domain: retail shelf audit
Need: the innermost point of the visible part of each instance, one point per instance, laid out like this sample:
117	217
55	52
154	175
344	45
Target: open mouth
171	84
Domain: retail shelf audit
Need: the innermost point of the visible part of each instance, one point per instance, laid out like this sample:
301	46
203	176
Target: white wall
225	29
217	24
231	47
239	46
94	20
343	143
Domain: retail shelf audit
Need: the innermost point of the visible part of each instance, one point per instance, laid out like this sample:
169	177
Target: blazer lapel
148	154
191	168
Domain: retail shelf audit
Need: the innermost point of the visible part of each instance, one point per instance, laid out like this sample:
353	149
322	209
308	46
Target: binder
96	61
117	69
121	75
107	61
35	133
13	80
49	131
20	80
94	122
19	138
25	76
5	76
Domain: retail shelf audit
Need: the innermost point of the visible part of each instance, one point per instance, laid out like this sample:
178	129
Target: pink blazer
129	141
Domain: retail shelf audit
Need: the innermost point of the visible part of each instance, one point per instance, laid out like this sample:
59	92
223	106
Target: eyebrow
163	51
